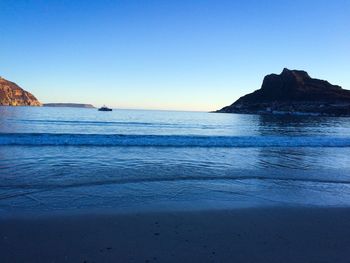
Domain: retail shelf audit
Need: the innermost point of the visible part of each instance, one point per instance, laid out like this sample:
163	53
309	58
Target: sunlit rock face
12	95
294	92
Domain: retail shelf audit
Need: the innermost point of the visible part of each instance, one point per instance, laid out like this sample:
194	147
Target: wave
28	189
52	139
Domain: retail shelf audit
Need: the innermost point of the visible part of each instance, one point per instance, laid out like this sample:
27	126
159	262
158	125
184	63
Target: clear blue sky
168	54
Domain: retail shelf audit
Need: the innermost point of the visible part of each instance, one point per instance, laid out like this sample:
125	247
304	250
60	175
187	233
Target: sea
56	160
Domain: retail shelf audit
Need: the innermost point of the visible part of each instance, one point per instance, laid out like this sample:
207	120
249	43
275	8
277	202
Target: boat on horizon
104	108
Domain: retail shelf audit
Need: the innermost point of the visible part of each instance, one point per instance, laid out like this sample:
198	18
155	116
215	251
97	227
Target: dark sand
239	235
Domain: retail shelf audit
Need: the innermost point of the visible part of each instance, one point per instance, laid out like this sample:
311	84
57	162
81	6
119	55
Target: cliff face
12	95
294	92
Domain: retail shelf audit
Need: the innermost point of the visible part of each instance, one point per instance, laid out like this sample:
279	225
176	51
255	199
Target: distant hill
294	92
12	95
71	105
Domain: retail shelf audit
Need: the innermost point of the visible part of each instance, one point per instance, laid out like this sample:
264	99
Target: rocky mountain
294	92
12	95
70	105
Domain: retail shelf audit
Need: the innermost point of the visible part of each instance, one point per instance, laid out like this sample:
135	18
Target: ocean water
68	159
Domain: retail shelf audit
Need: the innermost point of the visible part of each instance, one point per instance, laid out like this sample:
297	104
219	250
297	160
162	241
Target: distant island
71	105
13	95
294	92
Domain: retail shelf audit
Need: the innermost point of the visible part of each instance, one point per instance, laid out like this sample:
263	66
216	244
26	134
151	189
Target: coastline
260	234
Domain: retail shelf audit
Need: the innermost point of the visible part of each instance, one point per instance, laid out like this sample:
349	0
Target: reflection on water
290	158
38	178
91	121
132	176
302	125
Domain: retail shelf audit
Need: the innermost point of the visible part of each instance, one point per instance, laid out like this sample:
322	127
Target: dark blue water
67	159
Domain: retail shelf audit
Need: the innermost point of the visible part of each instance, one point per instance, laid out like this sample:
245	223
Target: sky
168	54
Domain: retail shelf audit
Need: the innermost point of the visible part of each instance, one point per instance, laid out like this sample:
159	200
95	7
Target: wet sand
237	235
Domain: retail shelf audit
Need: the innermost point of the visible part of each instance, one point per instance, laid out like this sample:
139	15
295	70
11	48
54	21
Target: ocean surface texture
69	159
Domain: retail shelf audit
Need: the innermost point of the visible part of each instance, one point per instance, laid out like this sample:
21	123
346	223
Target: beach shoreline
259	234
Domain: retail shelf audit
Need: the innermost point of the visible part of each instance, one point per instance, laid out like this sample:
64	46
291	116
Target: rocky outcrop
294	92
70	105
12	95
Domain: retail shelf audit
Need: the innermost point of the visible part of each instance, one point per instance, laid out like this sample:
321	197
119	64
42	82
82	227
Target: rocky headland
13	95
294	92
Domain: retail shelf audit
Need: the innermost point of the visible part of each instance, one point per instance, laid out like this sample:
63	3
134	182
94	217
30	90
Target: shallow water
64	159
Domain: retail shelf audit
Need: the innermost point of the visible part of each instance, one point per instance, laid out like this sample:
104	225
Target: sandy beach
237	235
